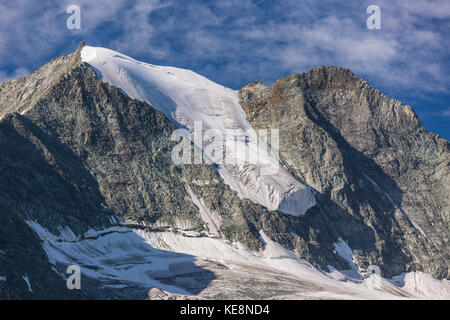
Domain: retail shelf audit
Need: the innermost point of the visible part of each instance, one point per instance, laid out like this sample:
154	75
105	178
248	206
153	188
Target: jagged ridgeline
77	152
381	178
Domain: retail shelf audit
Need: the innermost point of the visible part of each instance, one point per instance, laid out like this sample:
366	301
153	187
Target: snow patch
116	254
27	281
273	250
88	55
419	283
212	219
345	252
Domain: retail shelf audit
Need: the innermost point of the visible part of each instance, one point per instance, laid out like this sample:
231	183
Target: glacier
186	97
123	257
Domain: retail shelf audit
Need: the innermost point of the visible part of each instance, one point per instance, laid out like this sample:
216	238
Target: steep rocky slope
380	176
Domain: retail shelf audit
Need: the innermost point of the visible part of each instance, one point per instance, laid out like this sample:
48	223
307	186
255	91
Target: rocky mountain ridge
366	154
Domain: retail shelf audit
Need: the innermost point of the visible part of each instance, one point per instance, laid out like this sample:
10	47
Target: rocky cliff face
381	178
76	151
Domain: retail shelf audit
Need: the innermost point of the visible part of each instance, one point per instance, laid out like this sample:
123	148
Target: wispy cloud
234	42
445	113
239	41
19	72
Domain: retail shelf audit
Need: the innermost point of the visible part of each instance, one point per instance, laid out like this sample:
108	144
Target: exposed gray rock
21	94
382	179
158	294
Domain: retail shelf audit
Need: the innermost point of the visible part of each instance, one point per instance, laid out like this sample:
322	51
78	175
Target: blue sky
235	42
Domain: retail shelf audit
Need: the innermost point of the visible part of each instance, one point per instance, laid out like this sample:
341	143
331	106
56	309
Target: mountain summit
88	179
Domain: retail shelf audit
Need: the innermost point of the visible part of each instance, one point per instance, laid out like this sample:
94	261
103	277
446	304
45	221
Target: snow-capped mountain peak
186	97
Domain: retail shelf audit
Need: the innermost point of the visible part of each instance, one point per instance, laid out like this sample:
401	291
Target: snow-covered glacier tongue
187	98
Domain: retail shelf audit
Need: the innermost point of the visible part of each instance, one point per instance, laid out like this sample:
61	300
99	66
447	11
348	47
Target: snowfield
186	97
204	267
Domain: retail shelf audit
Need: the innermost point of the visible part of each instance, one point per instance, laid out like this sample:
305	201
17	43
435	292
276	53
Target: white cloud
19	72
428	8
446	113
240	41
137	30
